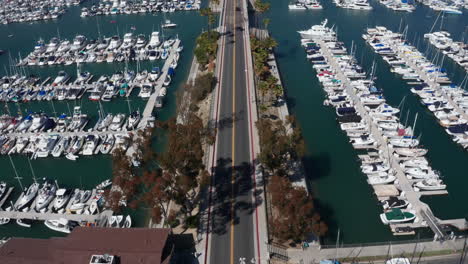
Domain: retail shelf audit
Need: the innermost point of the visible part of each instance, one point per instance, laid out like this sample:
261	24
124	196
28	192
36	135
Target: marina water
87	172
344	198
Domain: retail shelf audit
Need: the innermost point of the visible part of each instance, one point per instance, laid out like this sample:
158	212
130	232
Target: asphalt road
232	226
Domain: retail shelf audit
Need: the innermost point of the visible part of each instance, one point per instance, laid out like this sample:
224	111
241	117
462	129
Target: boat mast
16	173
414	125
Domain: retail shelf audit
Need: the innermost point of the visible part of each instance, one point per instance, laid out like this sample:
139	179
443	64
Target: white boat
118	220
107	145
381	180
59	225
297	6
4	220
78	43
24	222
62	198
317	31
133	120
430	185
398	261
128	41
371	168
410	152
128	222
90	145
93	208
27	196
396	216
45	195
168	24
117	122
154	41
104	184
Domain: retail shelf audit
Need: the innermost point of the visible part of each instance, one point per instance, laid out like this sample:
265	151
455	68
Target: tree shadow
232	184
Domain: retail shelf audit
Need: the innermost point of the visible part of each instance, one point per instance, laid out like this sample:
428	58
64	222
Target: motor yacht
90	145
431	184
62	198
27	196
396	215
79	43
45	195
117	122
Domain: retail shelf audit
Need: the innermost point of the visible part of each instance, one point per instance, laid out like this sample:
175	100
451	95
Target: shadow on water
317	166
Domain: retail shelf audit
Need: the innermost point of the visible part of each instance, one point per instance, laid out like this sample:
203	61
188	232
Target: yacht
25	124
168	24
104	122
62	123
38	122
396	216
128	222
77	145
107	145
375	180
410	152
61	146
59	225
79	120
297	6
104	184
394	202
61	78
62	198
154	74
40	47
46	145
317	31
27	196
53	45
90	145
103	44
128	41
154	41
117	122
115	43
146	91
430	185
78	43
3	189
46	195
141	41
133	120
4	220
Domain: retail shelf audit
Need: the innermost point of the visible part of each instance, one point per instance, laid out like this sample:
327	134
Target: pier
404	185
148	112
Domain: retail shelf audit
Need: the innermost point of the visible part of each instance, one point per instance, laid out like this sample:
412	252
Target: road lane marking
233	129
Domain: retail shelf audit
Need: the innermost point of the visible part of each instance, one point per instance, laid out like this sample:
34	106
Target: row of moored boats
456	50
447	101
13	11
139	7
106	49
380	120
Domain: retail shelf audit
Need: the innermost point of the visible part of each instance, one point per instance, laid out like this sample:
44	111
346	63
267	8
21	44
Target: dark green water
87	171
343	196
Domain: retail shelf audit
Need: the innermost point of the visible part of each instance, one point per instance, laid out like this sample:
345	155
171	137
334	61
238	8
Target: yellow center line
233	129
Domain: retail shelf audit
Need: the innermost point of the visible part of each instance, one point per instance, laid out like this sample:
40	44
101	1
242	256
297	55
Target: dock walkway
147	113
